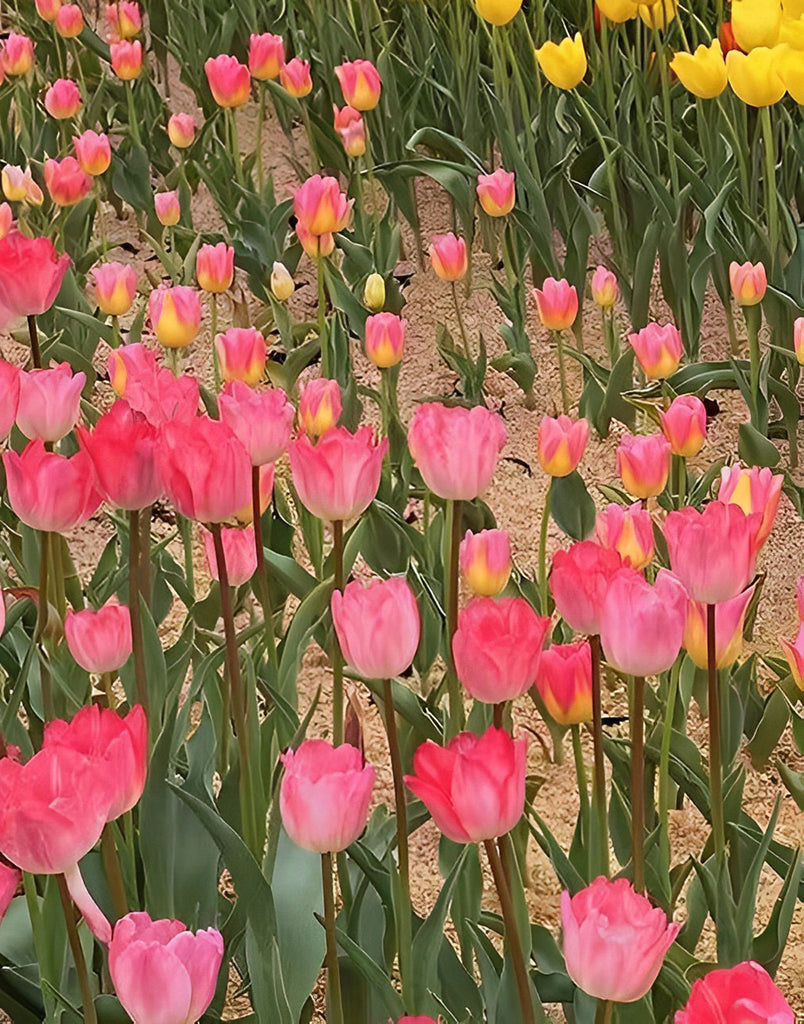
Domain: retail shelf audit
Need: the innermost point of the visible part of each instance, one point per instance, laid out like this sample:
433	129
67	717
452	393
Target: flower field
400	542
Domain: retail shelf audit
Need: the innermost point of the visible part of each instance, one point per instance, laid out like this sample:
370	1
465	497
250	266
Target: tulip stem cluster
261	572
771	200
88	1004
41	625
114	874
715	757
335	1000
637	718
134	584
337	656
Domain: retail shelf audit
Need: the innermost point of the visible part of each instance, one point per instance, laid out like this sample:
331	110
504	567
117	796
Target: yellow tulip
563	64
793	9
791	71
498	12
756	22
755	76
703	73
658	14
618	10
792	32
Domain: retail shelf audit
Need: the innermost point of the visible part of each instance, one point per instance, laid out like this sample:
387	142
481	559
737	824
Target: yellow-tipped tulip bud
563	64
756	23
498	12
282	286
374	293
703	73
755	76
791	71
618	10
658	14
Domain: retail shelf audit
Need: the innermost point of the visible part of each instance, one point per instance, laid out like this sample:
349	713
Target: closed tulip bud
18	54
755	76
126	58
181	130
449	257
238	551
756	491
579	583
628	531
99	641
658	348
496	192
229	81
325	795
748	282
115	287
320	206
31	274
360	84
378	626
168	209
385	339
498	12
123	19
295	78
50	492
618	11
9	398
63	99
93	152
745	992
6	220
317	247
162	971
319	407
266	56
337	478
791	66
455	449
496	647
49	402
659	13
374	292
241	355
557	303
684	425
729	626
756	22
615	940
794	653
605	290
474	788
644	464
175	315
564	682
214	267
642	624
282	285
703	73
262	420
563	64
561	444
124	448
350	130
66	182
48	9
485	561
69	21
798	339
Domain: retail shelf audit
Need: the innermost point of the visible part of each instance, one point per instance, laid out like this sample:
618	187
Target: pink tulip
50	492
10	879
794	652
378	626
124	449
800	598
360	84
245	515
658	349
564	682
496	648
115	287
19	186
168	208
729	627
337	478
485	561
643	463
319	406
684	425
241	355
580	581
496	192
712	552
449	257
295	77
316	246
605	289
214	267
474	788
67	184
130	364
123	18
48	9
321	207
749	282
161	971
628	531
49	402
9	396
261	420
175	315
126	59
229	81
17	54
385	339
744	993
238	550
266	56
642	624
99	641
325	795
557	303
456	449
6	220
181	130
756	491
69	21
152	389
206	470
93	152
63	99
349	128
614	940
798	339
561	444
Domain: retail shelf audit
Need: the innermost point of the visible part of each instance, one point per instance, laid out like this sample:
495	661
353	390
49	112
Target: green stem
235	144
145	555
335	1000
133	117
771	197
604	1012
600	817
404	924
543	595
134	608
637	718
114	873
261	574
186	531
337	657
664	758
41	625
608	82
511	934
715	765
258	144
562	371
609	162
461	325
33	335
456	711
77	951
753	321
322	318
213	330
668	112
583	785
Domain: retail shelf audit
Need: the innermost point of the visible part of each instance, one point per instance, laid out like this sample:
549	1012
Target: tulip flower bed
399	531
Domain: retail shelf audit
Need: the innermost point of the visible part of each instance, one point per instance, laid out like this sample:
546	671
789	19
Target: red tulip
295	77
48	491
564	682
642	624
378	626
93	152
349	128
115	287
744	994
474	787
756	491
658	349
124	449
337	478
238	550
63	99
628	531
214	267
580	581
9	396
241	354
67	183
321	207
557	303
496	192
729	626
319	406
684	425
360	84
266	56
262	420
31	272
49	402
449	257
126	59
561	444
643	463
485	561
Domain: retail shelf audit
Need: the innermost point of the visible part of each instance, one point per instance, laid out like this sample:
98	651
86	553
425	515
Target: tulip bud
725	37
579	582
374	292
563	64
99	641
378	626
49	402
266	56
794	652
48	9
320	206
712	552
241	355
18	54
449	257
214	268
181	130
67	184
319	406
605	289
684	425
63	99
498	12
360	84
557	303
485	561
561	444
628	531
93	152
317	247
658	349
496	192
748	282
282	286
644	464
167	208
385	339
115	288
755	491
798	339
350	129
126	58
69	21
659	13
564	682
295	78
175	315
229	81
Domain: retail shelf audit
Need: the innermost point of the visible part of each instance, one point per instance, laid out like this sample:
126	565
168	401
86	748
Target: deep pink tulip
615	941
385	339
756	491
31	273
557	303
6	220
48	491
214	267
63	99
123	19
749	282
175	315
10	879
561	444
800	598
238	550
99	641
474	788
684	425
485	561
350	129
266	56
124	448
181	130
9	396
580	581
229	81
712	552
319	406
729	626
320	206
70	21
115	287
643	463
168	208
325	795
496	192
337	478
205	469
162	972
449	257
126	59
93	152
295	77
744	994
564	682
17	54
496	647
658	349
378	626
642	624
605	289
629	531
360	84
49	402
262	420
67	183
456	449
241	354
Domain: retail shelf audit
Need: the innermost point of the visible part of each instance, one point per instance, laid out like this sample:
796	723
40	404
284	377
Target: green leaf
571	506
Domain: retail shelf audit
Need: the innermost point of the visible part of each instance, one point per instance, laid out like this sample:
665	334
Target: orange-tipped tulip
385	339
485	561
67	183
295	78
229	81
126	59
360	84
628	531
749	282
561	444
658	349
175	315
496	192
214	267
643	463
93	152
684	425
557	303
449	257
